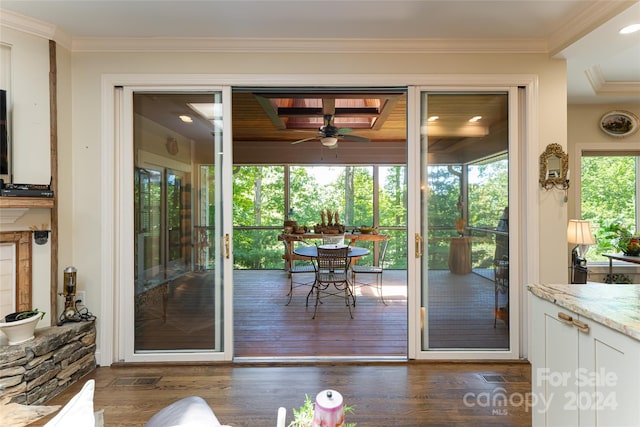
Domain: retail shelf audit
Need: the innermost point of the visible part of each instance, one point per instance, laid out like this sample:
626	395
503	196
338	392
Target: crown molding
35	27
27	24
602	87
585	21
254	45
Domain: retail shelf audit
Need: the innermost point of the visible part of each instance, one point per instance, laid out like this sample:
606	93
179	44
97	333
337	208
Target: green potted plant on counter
622	238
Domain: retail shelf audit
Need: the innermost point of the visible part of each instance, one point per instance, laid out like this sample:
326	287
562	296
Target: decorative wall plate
619	123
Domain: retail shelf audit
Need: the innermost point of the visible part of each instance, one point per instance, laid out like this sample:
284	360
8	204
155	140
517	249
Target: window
362	195
609	194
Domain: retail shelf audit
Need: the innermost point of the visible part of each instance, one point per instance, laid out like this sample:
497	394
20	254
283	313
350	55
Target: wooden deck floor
460	315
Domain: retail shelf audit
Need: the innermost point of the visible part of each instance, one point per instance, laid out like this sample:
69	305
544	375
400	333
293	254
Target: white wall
88	67
583	131
31	145
583	128
80	130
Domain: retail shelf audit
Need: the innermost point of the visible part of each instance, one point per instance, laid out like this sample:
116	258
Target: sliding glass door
464	221
181	246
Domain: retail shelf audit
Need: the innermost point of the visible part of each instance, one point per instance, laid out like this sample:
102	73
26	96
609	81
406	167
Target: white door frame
125	252
113	161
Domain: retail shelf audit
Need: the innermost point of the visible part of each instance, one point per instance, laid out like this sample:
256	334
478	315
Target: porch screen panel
465	190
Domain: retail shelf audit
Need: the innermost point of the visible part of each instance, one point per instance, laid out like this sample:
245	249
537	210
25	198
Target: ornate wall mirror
554	168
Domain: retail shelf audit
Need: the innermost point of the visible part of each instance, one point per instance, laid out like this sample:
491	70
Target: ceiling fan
329	134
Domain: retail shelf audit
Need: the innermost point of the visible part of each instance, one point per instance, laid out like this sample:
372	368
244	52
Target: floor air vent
136	381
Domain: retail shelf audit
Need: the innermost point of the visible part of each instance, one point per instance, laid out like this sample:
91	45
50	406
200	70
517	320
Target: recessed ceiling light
433	118
475	119
208	110
186	119
630	29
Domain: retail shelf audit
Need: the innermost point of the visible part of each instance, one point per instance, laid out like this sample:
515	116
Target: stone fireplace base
35	371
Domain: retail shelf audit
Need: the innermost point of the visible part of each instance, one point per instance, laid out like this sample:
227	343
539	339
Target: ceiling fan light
329	141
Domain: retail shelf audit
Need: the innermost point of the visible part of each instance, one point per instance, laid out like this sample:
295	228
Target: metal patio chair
371	270
332	277
298	267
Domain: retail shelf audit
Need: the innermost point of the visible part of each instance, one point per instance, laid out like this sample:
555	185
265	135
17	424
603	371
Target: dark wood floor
406	394
265	327
460	316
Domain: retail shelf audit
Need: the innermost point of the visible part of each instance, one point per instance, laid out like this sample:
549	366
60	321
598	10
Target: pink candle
329	409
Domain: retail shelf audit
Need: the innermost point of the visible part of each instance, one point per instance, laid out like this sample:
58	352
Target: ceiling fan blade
303	140
355	138
345	130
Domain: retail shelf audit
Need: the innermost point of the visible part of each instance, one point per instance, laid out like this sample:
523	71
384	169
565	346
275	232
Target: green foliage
259	207
258	199
487	197
258	203
620	237
488	192
608	197
393	198
303	416
24	314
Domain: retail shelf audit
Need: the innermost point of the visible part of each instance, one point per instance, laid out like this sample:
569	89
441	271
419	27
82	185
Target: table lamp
579	233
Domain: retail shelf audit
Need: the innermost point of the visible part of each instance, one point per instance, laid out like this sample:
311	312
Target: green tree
608	195
258	201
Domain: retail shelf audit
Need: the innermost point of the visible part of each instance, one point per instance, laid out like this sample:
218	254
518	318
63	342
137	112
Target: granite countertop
615	306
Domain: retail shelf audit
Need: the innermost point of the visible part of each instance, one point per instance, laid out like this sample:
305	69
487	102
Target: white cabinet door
554	351
610	378
583	373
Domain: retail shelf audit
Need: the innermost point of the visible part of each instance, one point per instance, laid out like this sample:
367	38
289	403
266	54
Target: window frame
603	148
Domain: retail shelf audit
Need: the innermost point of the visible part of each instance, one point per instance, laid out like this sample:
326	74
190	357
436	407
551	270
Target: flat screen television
5	153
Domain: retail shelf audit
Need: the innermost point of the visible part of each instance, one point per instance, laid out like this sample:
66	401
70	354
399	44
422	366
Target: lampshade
579	232
329	141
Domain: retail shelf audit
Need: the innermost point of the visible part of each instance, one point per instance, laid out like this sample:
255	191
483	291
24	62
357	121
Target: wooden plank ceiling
265	123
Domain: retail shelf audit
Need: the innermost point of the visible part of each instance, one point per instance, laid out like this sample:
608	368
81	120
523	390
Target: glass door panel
178	286
148	244
464	220
178	222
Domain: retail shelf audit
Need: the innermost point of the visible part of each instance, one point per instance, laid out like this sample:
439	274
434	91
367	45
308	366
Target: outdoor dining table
351	238
312	251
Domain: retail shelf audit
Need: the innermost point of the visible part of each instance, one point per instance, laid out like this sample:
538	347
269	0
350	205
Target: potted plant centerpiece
303	416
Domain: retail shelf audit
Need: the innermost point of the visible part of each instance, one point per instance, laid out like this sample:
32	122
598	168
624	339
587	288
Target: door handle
582	327
569	320
419	245
226	246
565	318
